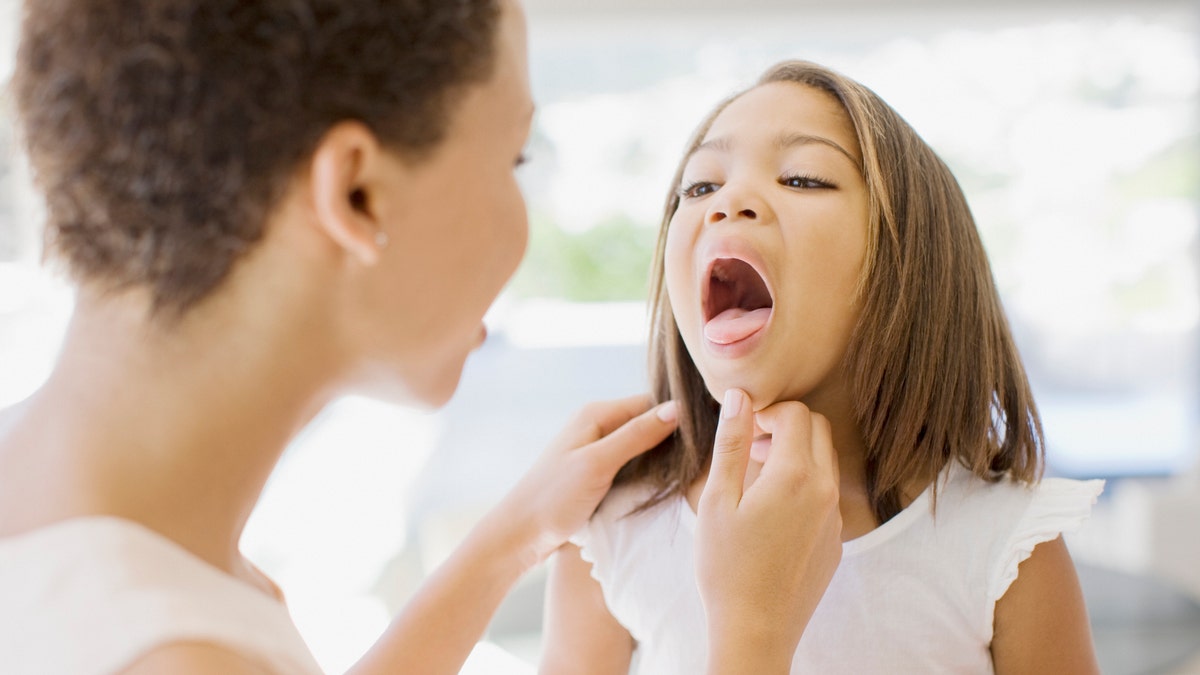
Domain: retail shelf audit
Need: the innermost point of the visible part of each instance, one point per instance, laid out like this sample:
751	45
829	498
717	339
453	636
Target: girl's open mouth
737	303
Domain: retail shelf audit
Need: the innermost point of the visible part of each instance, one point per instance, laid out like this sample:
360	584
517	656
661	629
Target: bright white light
10	12
34	311
554	323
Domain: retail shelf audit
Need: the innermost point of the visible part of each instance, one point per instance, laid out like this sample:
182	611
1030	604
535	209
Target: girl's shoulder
965	495
631	521
637	551
1007	518
639	500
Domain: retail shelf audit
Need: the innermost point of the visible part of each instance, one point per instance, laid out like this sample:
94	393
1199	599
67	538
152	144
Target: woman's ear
345	173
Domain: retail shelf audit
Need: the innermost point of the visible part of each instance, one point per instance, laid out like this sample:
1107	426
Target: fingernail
733	403
668	412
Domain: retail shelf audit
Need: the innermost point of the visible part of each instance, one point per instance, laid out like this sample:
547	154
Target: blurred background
1074	128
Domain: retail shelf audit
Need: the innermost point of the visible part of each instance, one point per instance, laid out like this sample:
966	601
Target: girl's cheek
674	266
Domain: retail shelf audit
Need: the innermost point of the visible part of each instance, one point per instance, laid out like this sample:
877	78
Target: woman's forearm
734	659
441	624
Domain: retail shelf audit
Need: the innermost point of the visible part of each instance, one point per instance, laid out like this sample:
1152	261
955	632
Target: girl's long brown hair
933	369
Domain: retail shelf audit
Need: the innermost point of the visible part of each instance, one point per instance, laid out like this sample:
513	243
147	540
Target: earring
381	239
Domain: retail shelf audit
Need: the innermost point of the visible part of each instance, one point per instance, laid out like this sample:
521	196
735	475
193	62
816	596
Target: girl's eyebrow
783	141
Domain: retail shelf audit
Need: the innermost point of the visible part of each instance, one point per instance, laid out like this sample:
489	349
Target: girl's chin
718	387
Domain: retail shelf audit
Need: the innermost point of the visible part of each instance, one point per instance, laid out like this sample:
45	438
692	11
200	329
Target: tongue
735	324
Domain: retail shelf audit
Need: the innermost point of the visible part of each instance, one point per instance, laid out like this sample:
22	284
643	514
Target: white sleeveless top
92	595
915	595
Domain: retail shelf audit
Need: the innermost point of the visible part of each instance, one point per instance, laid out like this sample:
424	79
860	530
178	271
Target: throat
858	519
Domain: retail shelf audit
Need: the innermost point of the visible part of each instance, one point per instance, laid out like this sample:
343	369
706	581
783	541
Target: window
1074	132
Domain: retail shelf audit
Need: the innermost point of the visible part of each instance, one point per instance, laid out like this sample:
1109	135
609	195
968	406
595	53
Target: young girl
815	249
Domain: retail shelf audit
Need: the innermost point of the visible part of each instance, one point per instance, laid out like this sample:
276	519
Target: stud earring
381	239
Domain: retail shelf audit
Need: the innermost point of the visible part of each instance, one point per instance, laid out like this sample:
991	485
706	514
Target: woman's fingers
599	419
731	449
562	489
791	427
637	435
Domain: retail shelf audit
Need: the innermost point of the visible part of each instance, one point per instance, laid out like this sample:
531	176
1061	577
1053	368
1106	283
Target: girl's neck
857	516
176	427
833	401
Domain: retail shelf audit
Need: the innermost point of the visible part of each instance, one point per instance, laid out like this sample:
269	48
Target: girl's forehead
777	111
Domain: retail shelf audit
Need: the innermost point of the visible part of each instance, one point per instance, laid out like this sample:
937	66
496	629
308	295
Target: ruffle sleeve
1058	506
604	531
594	549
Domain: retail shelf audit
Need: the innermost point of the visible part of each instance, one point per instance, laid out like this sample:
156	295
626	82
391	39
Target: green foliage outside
609	262
1174	172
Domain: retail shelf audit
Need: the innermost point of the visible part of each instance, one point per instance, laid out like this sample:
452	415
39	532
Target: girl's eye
803	182
522	160
697	189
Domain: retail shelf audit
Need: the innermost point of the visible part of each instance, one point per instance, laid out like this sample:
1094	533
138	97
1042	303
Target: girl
814	249
265	205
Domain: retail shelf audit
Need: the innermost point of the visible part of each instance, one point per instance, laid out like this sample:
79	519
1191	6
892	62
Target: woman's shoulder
115	590
194	659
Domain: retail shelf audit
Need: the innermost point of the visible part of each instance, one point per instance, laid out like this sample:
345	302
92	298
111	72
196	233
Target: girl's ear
345	174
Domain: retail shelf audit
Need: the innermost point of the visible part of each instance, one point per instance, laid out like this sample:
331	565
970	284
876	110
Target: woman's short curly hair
162	132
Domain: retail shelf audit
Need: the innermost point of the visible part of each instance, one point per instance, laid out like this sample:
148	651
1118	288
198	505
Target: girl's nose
734	202
717	215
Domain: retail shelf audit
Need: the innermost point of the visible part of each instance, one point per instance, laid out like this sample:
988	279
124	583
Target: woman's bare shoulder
195	658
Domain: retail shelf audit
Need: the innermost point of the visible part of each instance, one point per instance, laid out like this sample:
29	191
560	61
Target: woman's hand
560	492
444	619
765	553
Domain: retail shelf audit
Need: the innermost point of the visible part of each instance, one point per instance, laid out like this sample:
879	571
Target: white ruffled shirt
89	596
915	595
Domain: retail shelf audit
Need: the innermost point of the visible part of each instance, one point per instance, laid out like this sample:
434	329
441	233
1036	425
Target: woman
265	206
